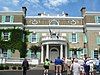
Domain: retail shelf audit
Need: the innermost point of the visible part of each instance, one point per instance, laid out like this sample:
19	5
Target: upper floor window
97	19
54	22
74	37
7	18
33	37
5	36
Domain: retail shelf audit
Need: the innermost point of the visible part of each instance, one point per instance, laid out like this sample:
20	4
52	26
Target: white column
65	50
61	51
47	51
42	53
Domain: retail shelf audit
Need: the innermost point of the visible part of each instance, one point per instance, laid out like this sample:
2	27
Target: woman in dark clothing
25	66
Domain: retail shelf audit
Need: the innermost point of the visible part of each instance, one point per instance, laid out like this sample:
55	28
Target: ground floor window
96	53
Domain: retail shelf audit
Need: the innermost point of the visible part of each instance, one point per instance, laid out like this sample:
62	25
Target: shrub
6	67
19	68
1	67
14	68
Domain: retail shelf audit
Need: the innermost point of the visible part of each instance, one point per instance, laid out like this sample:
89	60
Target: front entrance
54	53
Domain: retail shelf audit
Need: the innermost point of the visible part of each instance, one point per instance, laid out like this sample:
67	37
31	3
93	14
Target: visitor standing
58	65
46	66
75	67
25	66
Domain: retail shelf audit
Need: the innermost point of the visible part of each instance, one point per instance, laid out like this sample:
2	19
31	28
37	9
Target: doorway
54	53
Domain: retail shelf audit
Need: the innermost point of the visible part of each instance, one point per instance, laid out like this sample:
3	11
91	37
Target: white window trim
76	38
5	18
31	38
3	36
96	19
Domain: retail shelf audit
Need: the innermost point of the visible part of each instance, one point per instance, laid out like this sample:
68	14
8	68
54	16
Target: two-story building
60	35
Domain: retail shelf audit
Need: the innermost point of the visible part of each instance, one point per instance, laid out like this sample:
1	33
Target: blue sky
52	7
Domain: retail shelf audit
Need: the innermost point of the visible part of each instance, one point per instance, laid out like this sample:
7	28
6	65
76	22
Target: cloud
6	9
55	3
15	1
34	1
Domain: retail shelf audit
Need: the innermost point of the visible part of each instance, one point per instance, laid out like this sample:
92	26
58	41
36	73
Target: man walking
25	66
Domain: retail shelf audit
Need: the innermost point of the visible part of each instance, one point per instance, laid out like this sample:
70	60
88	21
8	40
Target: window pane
33	37
7	19
5	36
98	19
73	37
95	54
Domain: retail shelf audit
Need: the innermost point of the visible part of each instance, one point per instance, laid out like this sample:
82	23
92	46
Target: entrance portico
51	49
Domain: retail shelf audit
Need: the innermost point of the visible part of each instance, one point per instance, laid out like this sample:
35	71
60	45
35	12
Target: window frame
97	19
74	38
33	37
6	19
96	55
4	36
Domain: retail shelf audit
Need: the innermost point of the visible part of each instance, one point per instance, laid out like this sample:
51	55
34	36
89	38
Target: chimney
24	9
42	14
39	14
83	10
64	14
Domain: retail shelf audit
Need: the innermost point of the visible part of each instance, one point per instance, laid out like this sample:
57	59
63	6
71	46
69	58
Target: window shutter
9	35
9	53
11	19
97	40
92	54
70	37
85	38
38	35
85	50
30	37
2	36
70	53
78	54
78	37
3	19
29	54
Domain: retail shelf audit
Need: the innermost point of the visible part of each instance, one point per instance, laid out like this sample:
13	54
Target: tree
35	49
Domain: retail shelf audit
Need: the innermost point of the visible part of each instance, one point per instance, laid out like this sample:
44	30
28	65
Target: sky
52	7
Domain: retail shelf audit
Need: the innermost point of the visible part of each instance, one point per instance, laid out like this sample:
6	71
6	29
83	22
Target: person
58	65
91	67
25	66
46	66
75	67
97	65
86	66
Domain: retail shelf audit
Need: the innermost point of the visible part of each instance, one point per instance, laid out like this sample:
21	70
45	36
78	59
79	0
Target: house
61	35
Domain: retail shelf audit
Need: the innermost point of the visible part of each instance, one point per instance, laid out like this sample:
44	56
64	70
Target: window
74	37
97	19
33	37
95	53
7	19
54	22
5	36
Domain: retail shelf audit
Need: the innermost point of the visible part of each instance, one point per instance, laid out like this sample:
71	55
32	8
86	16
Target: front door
54	53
